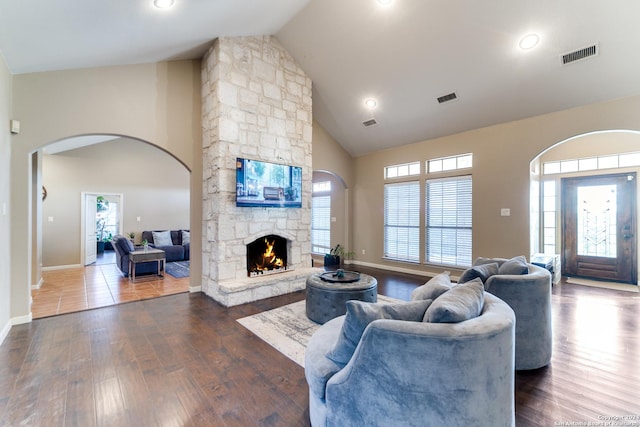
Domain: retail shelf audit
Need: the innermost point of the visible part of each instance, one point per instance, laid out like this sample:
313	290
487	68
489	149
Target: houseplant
102	236
335	254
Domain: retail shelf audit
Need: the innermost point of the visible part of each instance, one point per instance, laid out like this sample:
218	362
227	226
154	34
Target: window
549	201
321	224
398	171
443	164
320	187
613	161
402	221
448	221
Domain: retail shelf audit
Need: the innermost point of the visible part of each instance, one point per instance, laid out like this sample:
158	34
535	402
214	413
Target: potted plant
335	254
102	204
132	237
102	236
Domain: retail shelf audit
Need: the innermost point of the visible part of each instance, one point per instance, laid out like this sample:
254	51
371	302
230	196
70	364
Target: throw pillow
360	314
462	302
186	237
516	265
483	271
161	238
482	260
435	287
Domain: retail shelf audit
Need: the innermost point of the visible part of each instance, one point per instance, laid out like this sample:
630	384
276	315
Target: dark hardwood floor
183	360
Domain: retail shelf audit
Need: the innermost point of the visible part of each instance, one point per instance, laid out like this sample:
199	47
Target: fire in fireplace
267	254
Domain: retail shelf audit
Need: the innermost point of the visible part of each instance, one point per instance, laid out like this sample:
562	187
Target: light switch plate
505	212
15	126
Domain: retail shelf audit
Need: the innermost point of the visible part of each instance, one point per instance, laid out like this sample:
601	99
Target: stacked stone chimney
256	105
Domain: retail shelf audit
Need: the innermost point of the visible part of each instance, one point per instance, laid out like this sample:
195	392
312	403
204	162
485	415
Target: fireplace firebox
267	255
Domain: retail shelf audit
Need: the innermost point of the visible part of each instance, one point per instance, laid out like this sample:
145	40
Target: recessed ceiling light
529	41
385	2
370	103
162	4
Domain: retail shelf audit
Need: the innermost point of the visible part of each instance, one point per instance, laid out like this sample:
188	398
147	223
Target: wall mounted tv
266	184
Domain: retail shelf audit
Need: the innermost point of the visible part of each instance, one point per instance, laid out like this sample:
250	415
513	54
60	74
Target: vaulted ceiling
404	55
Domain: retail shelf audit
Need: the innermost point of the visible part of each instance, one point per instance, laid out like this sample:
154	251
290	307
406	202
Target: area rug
177	269
601	284
287	328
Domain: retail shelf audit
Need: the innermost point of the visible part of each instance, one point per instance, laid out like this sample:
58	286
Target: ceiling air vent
579	54
369	122
448	97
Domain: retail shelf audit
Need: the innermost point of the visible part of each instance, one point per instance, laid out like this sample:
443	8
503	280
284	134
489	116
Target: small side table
147	255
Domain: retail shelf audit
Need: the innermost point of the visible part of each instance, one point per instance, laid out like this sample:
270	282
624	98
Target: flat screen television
265	184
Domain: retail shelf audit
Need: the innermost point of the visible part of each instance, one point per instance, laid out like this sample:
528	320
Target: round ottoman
326	300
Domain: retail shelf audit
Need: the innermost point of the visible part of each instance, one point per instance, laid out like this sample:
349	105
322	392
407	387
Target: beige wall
329	156
5	229
502	158
331	161
158	103
154	185
597	144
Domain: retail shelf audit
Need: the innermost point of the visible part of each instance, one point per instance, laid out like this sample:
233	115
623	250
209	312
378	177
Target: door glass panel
597	221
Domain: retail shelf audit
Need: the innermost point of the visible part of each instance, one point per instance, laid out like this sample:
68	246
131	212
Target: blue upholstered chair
529	295
412	373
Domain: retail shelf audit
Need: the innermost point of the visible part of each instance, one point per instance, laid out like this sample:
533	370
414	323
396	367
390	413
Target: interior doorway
599	227
102	219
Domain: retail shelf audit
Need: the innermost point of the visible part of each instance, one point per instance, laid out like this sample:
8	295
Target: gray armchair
529	295
407	373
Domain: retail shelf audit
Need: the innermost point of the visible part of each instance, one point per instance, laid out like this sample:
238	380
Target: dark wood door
599	227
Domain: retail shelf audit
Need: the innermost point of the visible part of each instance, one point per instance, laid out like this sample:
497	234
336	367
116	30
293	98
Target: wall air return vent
448	97
579	54
369	122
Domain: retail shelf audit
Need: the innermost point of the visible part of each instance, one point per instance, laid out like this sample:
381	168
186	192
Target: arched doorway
597	239
330	214
151	185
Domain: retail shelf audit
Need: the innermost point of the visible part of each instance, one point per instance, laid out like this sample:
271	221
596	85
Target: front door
599	227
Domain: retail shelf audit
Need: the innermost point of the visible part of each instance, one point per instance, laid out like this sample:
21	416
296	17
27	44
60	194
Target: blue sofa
122	246
177	251
414	373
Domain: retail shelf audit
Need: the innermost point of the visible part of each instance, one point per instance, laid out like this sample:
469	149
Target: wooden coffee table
146	255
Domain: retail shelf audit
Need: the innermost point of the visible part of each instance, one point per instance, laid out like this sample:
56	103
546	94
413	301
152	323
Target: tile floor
99	285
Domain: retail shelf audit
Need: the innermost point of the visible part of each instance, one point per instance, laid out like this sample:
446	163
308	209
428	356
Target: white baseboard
62	267
21	319
392	268
37	285
5	331
194	289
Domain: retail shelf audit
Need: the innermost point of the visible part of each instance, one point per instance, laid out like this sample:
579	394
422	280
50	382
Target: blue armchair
408	373
529	295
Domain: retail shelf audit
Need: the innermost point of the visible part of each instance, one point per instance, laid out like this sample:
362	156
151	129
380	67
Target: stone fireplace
267	255
256	105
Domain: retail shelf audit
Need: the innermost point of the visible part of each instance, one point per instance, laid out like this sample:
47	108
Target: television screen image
265	184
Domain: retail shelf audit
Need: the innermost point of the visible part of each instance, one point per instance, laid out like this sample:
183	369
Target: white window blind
448	221
320	224
402	221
